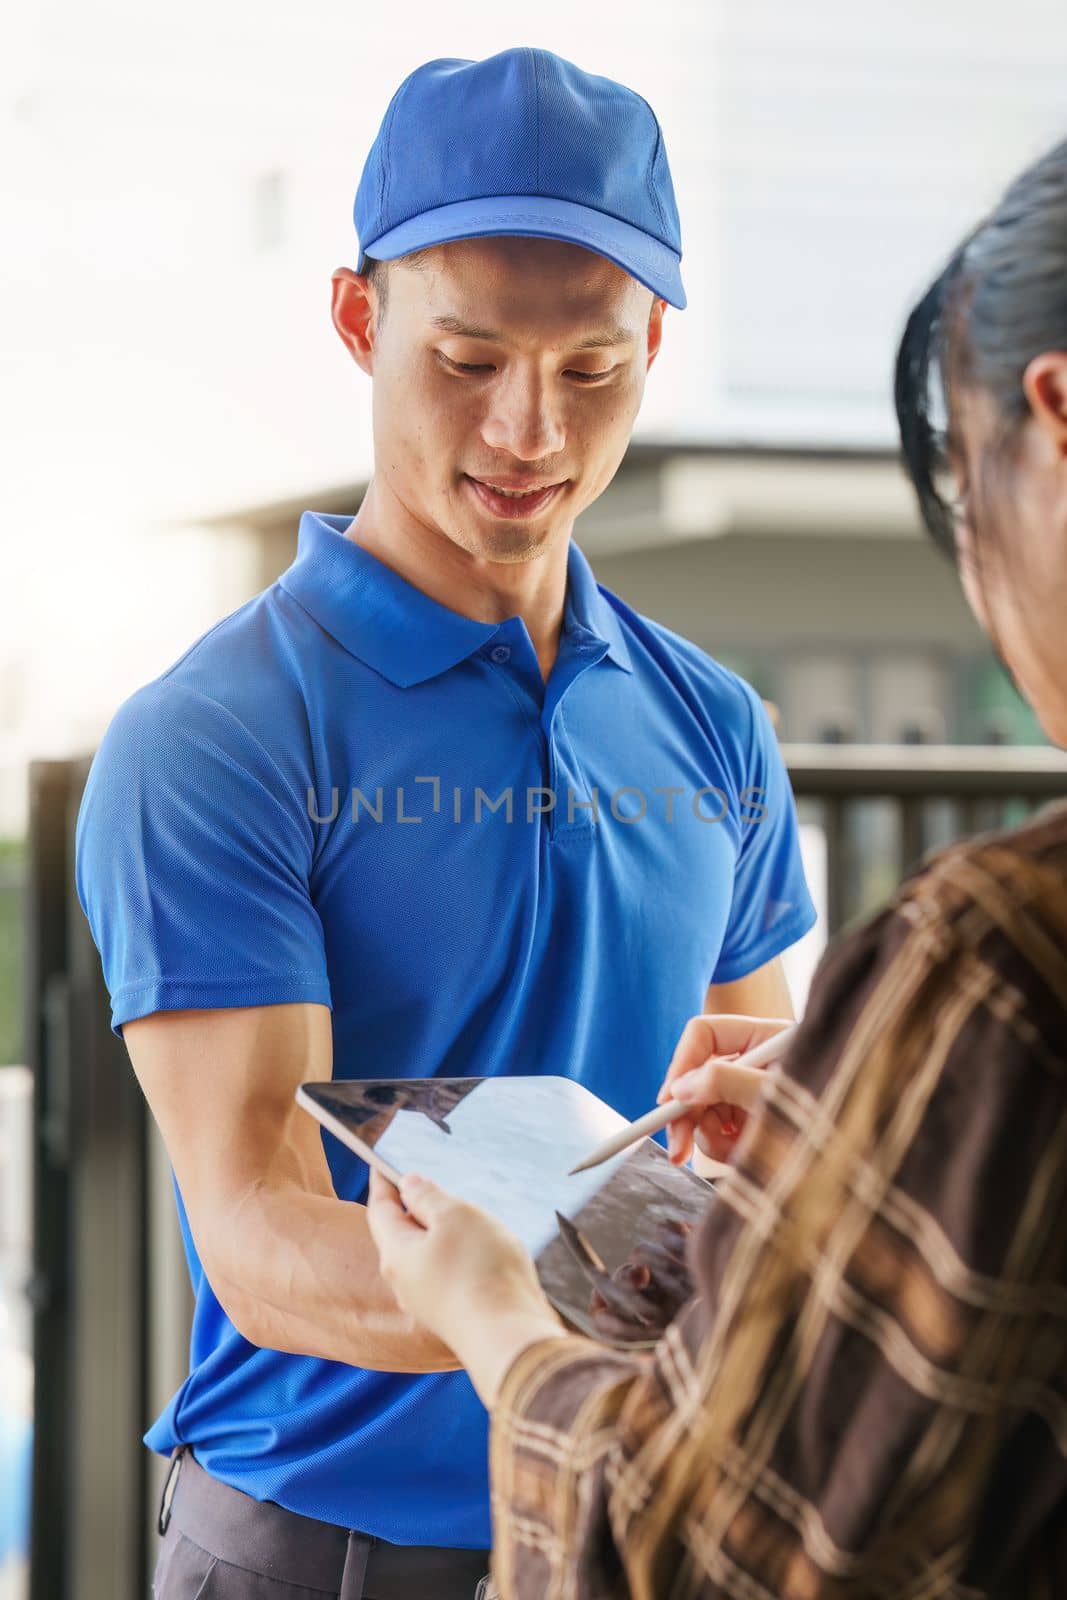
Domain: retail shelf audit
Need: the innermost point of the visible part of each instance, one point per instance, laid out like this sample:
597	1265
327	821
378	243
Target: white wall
852	146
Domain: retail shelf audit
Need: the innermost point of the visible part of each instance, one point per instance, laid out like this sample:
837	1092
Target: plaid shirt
868	1395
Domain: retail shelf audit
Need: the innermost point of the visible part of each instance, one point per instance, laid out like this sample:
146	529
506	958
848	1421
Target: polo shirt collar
386	622
588	608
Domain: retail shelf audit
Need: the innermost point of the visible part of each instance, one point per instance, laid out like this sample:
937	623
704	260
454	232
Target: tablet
609	1244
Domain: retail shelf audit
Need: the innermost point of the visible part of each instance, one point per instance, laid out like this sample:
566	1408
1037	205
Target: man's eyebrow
603	337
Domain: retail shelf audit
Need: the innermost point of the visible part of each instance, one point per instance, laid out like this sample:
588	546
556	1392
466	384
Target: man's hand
706	1042
460	1274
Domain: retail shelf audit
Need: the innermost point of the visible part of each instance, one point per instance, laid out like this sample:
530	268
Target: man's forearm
299	1272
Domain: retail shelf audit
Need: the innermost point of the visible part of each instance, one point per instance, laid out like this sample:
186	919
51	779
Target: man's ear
1045	387
655	329
353	307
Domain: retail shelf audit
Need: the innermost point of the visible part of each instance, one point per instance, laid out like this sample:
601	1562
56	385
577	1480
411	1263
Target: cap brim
640	254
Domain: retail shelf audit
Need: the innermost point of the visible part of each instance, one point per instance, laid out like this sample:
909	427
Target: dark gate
89	1283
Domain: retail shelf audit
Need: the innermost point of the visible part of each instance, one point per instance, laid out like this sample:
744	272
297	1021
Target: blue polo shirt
347	794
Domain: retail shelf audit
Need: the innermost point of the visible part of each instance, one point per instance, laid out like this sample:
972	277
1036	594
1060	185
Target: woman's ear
1045	387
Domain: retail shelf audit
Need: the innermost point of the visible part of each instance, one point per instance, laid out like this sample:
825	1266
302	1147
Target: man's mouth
511	499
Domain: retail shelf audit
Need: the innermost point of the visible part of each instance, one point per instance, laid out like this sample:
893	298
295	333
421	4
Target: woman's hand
707	1043
460	1273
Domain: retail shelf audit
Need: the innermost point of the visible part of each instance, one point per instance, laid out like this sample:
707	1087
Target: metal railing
103	1301
882	807
12	891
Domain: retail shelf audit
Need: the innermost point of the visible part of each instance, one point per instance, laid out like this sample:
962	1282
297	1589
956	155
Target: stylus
741	1081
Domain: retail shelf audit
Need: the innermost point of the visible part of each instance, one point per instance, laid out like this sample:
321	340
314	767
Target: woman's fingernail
681	1084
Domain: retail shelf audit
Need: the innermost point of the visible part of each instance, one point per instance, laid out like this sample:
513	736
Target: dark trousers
220	1544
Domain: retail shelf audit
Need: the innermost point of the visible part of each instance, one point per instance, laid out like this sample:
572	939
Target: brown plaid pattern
868	1397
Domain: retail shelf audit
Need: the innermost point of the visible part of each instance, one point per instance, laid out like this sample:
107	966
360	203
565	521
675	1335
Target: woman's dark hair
1000	300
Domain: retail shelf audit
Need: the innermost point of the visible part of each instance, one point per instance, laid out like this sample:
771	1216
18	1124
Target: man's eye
475	367
464	366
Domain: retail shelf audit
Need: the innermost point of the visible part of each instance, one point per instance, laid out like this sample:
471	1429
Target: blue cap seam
652	181
386	134
652	166
537	121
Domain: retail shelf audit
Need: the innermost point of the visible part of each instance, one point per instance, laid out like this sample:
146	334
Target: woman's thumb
420	1195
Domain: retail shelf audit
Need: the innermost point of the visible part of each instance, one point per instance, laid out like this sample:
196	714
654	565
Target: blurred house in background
183	190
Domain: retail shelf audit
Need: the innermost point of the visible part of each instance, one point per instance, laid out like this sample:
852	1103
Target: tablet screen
507	1144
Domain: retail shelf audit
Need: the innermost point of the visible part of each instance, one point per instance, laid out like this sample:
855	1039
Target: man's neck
486	591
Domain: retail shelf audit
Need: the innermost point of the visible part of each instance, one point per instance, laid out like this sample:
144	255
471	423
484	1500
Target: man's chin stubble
510	545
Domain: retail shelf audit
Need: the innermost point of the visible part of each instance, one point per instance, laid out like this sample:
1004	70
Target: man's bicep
762	993
221	1087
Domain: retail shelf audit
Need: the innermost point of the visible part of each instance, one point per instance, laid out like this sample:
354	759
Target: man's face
515	362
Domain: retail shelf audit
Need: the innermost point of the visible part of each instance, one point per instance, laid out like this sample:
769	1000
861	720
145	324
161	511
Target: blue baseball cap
522	143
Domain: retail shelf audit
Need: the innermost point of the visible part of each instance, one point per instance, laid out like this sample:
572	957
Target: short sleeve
771	907
192	863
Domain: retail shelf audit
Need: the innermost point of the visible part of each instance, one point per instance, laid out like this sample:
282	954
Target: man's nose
523	419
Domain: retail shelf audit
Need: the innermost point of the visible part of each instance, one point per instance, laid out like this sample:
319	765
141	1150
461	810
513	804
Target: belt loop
167	1498
355	1570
